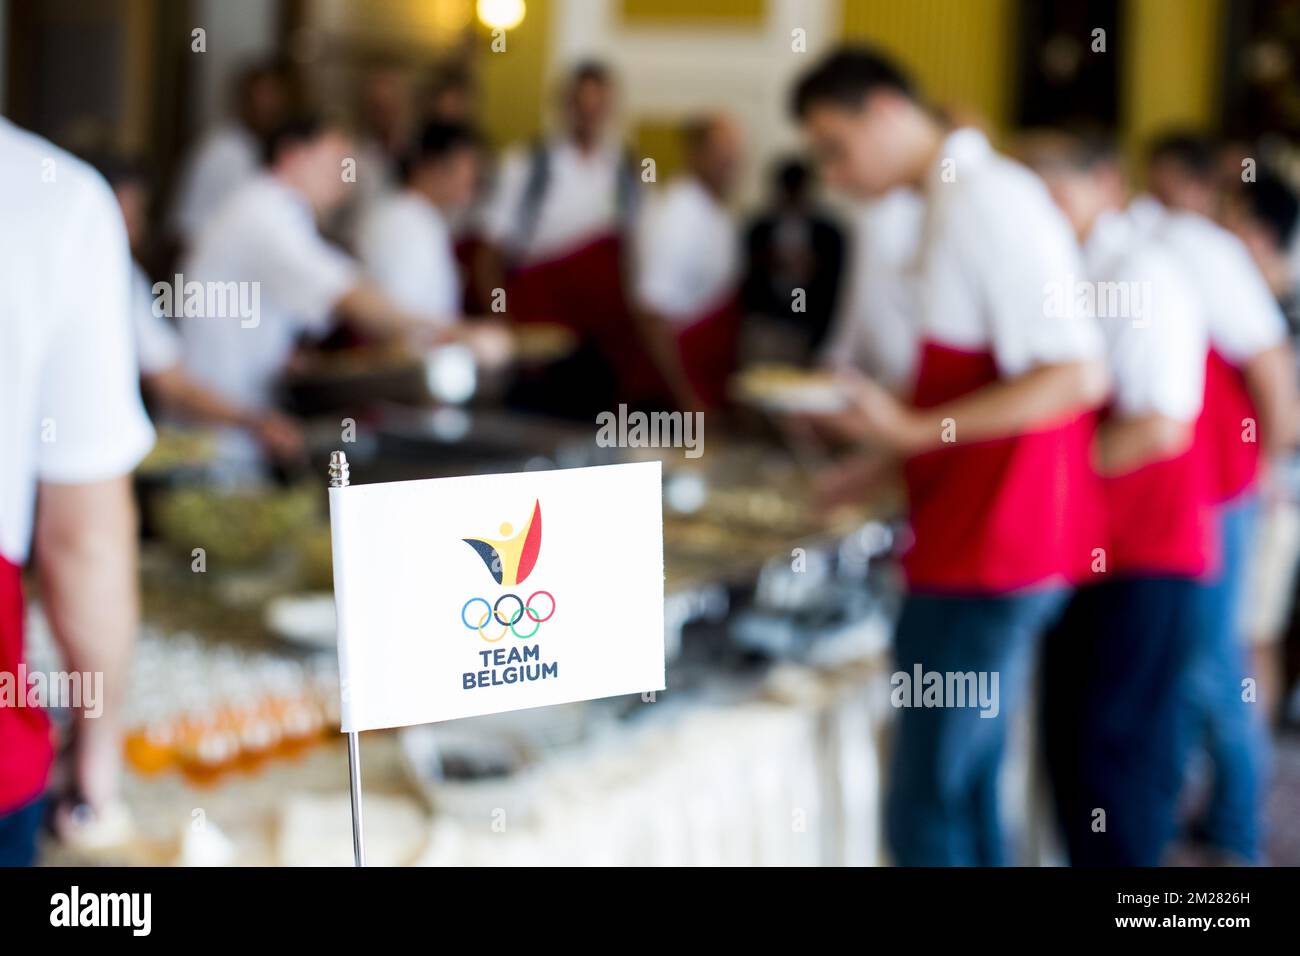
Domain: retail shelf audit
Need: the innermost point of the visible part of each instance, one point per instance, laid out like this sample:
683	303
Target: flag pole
340	478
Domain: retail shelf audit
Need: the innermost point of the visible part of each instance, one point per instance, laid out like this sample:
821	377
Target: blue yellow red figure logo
510	560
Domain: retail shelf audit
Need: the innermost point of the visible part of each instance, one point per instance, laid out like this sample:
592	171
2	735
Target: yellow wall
1171	68
514	99
961	52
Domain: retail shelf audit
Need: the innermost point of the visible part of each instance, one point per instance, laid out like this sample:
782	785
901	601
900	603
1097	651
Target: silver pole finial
339	470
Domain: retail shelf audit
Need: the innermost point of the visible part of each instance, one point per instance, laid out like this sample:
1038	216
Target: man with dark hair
232	153
1249	420
1180	172
688	268
794	259
264	247
405	242
568	192
158	345
553	231
448	95
1119	658
993	440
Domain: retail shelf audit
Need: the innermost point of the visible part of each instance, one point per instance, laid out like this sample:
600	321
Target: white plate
306	619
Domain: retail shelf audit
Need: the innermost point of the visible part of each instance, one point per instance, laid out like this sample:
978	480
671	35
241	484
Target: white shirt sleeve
1157	359
1026	253
157	344
1244	317
663	251
93	423
410	257
304	274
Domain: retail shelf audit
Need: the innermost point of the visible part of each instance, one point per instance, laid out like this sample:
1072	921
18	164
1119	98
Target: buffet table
762	750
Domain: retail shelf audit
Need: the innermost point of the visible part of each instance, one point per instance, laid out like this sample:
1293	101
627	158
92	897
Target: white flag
465	596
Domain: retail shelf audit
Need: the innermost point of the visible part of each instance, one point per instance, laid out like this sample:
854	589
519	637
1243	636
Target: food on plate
235	527
787	388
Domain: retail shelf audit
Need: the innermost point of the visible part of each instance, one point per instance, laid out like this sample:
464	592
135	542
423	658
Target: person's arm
488	271
373	312
1124	445
661	250
1001	409
278	433
1271	380
85	540
364	306
656	333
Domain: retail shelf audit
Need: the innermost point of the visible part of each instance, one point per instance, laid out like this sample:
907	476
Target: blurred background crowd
445	236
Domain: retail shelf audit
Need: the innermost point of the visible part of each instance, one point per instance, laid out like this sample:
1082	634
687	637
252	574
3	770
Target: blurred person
569	193
158	344
1250	419
1119	659
405	242
1181	173
449	96
72	432
688	268
794	248
384	117
264	250
994	437
553	230
231	154
1264	214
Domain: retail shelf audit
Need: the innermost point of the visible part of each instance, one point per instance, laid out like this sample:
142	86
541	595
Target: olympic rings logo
516	615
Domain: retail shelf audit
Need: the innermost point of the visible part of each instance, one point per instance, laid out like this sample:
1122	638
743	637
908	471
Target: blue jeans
1113	672
1229	728
941	808
18	830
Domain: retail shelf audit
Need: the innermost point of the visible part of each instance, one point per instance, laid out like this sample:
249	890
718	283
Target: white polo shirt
876	326
1242	316
995	250
580	202
265	241
222	161
70	410
687	252
1157	338
157	343
405	247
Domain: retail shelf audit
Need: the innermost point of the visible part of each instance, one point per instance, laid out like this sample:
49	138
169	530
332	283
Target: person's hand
97	760
872	415
881	418
490	341
91	813
854	481
281	436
